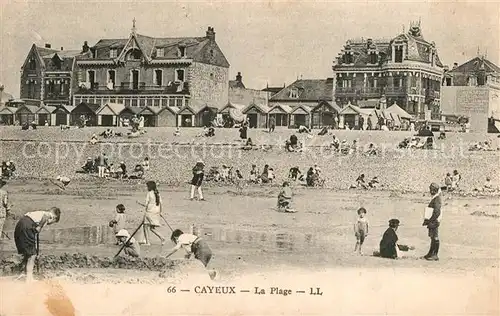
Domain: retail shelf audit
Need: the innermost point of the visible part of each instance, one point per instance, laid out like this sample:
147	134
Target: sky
271	42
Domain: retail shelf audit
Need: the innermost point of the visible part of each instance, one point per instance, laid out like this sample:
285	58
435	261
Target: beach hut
107	115
186	116
324	113
26	114
44	115
86	111
168	116
128	113
351	115
281	114
62	115
150	114
7	115
301	115
257	115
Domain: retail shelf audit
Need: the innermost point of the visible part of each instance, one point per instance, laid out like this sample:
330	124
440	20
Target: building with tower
375	73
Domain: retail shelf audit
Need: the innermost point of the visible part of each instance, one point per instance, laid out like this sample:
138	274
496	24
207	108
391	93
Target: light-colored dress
152	217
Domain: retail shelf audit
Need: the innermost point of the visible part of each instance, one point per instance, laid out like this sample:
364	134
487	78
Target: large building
147	71
240	94
405	70
47	76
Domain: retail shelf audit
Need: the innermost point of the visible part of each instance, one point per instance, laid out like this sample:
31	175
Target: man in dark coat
433	222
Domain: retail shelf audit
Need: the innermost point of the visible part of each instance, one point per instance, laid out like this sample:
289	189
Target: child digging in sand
360	229
192	244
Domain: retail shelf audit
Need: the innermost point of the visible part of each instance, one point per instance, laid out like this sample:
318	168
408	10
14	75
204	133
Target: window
448	81
113	53
32	64
179	75
294	93
348	59
178	102
472	81
373	58
158	77
346	83
31	89
398	57
211	53
160	52
91	78
182	51
112	77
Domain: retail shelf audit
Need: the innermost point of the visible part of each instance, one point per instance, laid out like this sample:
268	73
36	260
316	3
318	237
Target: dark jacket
388	244
197	177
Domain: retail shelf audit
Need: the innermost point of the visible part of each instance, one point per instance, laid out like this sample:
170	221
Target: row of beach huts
197	115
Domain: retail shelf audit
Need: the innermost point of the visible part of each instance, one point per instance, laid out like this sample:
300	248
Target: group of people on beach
104	169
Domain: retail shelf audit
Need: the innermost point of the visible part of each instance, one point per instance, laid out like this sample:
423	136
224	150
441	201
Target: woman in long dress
26	231
152	218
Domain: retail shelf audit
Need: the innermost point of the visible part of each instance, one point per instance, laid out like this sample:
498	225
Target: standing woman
197	180
152	212
25	234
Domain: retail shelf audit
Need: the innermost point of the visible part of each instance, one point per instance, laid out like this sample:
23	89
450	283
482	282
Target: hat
434	186
123	233
394	221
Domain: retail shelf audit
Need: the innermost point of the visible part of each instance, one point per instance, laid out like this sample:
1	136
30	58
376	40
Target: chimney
211	33
85	47
238	77
455	65
47	45
62	48
446	68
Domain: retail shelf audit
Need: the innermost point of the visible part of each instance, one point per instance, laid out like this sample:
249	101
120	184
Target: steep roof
259	107
476	64
54	60
31	108
232	105
7	110
200	49
283	107
418	48
236	84
308	90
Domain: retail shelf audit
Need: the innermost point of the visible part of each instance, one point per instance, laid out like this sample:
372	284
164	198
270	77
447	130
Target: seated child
271	175
254	174
132	247
93	139
285	197
373	184
145	164
448	182
294	173
177	132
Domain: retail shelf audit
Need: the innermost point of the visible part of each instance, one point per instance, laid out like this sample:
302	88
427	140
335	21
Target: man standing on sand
4	206
433	222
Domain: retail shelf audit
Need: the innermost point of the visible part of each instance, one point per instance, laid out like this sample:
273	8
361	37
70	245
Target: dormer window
182	51
294	93
373	57
348	58
398	54
113	53
160	52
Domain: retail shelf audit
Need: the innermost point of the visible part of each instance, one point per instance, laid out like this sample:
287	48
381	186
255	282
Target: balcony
395	91
367	92
56	96
137	88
